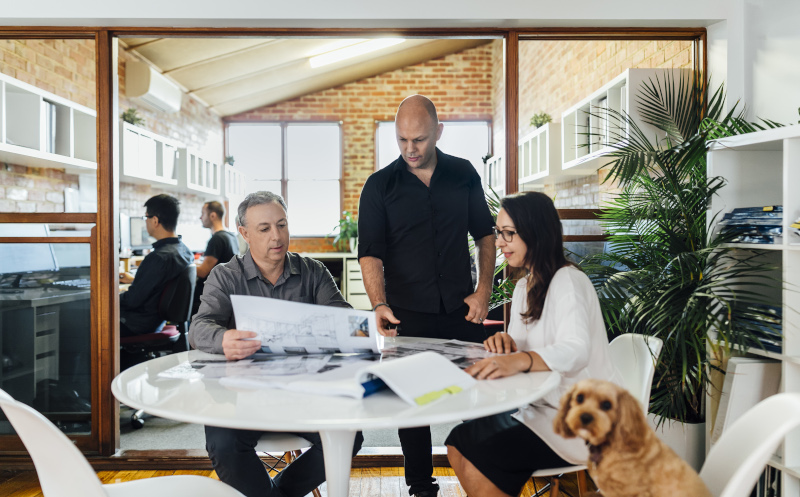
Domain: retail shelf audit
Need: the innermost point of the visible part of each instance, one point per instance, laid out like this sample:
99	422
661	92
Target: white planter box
687	440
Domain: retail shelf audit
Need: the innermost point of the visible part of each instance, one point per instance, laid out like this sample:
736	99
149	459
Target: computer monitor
140	239
124	232
72	255
195	236
26	257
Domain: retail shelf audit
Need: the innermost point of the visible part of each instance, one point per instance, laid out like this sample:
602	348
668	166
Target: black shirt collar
166	241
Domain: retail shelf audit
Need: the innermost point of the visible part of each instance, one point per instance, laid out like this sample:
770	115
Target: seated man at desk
138	307
268	269
222	246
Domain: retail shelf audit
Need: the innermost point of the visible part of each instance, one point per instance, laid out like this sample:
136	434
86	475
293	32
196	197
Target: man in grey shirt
268	269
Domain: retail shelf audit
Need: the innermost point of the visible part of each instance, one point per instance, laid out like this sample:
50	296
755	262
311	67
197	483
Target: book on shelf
748	381
758	225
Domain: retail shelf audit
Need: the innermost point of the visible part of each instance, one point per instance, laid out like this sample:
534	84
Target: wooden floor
364	482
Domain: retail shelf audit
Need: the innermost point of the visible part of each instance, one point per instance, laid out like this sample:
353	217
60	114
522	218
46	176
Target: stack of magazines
762	225
766	324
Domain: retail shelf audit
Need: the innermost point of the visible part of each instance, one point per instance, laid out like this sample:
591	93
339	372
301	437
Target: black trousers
416	442
234	458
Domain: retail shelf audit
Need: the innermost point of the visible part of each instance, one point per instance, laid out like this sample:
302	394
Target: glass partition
45	323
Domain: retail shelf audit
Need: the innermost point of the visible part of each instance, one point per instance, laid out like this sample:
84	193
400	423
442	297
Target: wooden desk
36	324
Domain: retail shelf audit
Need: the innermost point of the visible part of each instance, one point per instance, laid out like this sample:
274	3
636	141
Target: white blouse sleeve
567	328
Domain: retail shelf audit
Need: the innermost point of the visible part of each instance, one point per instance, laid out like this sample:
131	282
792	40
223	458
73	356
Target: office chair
64	472
635	358
174	306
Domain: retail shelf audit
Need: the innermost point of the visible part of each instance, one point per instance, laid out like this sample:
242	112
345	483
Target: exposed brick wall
555	75
65	68
459	84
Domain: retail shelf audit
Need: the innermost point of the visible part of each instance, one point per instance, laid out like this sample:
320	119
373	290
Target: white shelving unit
496	174
147	157
582	154
200	173
763	168
235	182
539	157
40	129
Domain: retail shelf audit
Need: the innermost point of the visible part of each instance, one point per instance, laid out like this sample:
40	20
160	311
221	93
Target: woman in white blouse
555	325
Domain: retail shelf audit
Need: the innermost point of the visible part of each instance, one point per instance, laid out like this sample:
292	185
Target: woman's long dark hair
537	223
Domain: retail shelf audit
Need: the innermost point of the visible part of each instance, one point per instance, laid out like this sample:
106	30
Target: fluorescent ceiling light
335	45
353	51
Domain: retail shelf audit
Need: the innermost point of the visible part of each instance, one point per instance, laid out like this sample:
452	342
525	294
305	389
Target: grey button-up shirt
303	280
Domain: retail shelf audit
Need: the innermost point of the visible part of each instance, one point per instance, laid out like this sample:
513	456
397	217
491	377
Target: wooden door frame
104	440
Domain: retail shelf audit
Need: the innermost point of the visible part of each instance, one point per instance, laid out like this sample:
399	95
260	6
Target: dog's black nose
586	418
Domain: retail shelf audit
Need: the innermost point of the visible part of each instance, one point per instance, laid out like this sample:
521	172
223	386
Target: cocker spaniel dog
626	458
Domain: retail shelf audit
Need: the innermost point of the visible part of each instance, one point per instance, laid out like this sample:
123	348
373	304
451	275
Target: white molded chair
635	358
64	472
738	458
290	445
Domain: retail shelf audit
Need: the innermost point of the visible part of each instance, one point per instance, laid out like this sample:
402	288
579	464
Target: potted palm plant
346	238
667	273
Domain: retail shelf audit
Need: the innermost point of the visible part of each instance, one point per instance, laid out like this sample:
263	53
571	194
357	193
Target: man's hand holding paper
238	344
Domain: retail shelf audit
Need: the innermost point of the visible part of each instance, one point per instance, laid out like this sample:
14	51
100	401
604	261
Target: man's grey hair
258	198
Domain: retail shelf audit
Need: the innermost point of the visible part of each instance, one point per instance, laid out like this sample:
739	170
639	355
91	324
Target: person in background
268	269
555	325
414	218
222	246
138	307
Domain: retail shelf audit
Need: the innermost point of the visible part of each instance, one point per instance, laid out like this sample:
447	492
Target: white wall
756	52
366	13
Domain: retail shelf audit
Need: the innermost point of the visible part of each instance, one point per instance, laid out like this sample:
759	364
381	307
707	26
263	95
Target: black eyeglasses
148	217
507	235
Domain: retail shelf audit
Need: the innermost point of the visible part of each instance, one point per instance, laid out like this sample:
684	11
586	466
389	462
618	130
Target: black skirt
504	450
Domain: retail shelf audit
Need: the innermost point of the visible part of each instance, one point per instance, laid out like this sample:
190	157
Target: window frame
284	180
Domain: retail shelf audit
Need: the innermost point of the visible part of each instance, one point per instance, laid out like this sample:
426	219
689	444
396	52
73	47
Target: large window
466	139
301	161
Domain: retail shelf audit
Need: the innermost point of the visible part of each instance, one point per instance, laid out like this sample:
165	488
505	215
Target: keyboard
77	284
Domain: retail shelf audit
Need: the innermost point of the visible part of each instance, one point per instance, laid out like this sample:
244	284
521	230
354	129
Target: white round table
337	419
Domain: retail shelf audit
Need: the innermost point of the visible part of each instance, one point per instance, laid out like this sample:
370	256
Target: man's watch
380	304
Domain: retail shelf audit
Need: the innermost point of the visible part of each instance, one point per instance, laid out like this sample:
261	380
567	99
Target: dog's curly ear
631	425
560	425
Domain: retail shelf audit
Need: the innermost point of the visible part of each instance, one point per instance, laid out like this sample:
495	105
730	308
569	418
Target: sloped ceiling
234	75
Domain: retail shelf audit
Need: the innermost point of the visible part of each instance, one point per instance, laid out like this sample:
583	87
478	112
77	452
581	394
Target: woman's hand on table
500	343
500	366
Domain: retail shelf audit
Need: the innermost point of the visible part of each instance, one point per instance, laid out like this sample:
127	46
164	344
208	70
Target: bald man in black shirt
414	217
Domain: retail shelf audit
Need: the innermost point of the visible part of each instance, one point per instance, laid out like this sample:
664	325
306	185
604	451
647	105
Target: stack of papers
334	351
